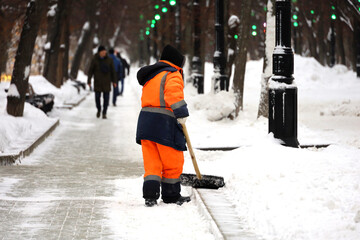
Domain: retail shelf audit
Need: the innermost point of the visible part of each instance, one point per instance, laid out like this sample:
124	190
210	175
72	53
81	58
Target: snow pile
66	94
13	91
214	106
16	133
287	193
280	192
345	108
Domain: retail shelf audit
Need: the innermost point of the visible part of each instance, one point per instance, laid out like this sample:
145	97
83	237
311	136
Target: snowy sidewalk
85	182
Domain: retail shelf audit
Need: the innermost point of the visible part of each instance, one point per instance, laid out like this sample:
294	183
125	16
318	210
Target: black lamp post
332	35
282	90
357	38
219	55
196	63
178	25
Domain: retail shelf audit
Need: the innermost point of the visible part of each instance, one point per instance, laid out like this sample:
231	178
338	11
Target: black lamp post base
283	114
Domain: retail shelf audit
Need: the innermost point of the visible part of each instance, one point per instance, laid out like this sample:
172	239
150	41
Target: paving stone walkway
61	190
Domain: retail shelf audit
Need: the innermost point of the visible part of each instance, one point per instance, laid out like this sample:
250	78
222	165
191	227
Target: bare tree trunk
53	67
65	74
267	67
21	72
240	61
5	39
85	41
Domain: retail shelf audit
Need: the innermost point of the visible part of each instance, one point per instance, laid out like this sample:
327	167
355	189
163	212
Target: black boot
151	192
182	200
150	202
171	193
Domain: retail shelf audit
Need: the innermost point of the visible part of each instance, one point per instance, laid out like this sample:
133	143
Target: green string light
295	17
236	36
253	27
157	17
172	2
312	11
157	6
333	16
296	24
164	9
254	33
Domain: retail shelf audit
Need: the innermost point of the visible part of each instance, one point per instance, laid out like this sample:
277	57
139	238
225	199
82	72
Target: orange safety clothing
162	102
158	131
164	93
161	163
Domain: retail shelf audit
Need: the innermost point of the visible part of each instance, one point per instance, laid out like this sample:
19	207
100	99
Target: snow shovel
198	180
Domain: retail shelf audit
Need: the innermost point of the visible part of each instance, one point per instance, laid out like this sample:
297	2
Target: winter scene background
76	185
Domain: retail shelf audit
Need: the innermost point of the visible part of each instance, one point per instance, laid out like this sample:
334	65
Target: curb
11	159
204	211
72	105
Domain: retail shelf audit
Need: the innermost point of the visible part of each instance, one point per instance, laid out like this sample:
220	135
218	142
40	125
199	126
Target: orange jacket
162	102
166	93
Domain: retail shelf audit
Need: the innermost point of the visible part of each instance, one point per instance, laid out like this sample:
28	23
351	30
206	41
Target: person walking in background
125	65
119	71
102	68
158	129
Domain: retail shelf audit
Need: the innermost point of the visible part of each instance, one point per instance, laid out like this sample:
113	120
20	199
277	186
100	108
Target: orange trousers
162	161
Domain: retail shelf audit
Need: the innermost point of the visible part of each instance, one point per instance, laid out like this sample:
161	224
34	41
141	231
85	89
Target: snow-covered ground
279	192
17	133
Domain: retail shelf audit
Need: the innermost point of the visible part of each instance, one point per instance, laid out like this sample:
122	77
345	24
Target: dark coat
155	126
104	73
118	66
125	66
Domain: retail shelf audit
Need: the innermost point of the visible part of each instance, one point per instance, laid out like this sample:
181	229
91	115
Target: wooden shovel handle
192	154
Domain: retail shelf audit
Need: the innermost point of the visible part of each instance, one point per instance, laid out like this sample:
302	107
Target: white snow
233	21
52	11
47	46
278	192
17	133
96	40
26	72
13	91
86	26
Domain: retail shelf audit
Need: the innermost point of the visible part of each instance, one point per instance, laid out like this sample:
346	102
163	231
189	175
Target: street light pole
196	63
332	35
282	90
219	55
178	25
357	38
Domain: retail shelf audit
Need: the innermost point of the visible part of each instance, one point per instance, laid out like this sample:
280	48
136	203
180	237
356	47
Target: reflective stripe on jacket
162	102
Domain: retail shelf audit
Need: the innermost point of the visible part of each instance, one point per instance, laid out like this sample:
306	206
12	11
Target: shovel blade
207	181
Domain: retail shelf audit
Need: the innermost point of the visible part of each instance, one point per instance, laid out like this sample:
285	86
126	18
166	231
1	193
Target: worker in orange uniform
159	131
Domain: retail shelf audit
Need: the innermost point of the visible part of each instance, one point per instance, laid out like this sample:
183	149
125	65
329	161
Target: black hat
101	48
172	55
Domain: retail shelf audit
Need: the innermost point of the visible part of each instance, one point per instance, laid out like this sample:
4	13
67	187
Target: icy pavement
85	182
